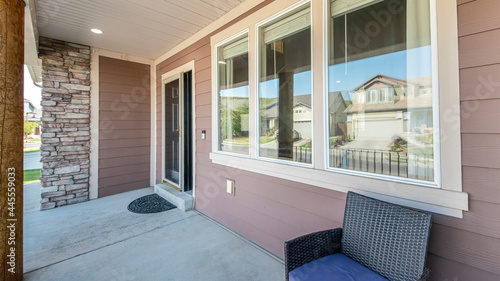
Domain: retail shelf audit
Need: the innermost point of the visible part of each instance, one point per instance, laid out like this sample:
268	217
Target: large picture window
285	103
232	73
380	93
380	84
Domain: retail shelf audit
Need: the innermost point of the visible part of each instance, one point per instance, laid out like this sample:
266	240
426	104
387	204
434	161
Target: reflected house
302	115
385	108
32	114
338	119
269	118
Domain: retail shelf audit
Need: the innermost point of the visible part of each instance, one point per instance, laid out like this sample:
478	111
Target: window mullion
253	105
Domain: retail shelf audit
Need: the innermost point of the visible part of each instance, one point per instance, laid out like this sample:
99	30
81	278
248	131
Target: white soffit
144	28
30	43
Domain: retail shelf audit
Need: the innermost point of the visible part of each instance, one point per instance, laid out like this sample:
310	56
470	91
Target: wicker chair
388	239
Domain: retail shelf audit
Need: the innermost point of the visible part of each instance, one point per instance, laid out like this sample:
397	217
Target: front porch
102	240
114	125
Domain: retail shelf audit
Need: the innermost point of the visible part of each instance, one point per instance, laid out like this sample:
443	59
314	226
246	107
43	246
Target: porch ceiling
145	28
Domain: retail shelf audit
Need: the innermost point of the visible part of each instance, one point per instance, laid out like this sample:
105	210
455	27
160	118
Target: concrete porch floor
102	240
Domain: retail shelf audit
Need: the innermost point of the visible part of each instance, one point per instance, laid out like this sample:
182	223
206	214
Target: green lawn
31	149
307	145
33	140
245	140
421	151
241	140
336	138
31	176
266	139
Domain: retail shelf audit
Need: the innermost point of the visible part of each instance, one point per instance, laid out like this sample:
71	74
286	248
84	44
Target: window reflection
285	105
232	68
380	88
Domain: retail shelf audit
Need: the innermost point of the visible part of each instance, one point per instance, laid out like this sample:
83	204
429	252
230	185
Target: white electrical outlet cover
229	186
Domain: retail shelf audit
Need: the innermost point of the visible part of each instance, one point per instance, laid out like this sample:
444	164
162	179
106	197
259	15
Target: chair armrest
310	247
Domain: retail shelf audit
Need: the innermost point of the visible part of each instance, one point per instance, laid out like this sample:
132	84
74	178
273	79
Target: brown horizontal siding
120	152
451	270
122	187
125	143
480	83
479	49
124	126
120	97
129	124
204	63
115	181
269	210
204	87
117	88
125	170
120	134
124	71
478	17
115	115
481	150
482	217
116	161
482	184
124	105
203	99
475	112
466	247
136	83
469	248
204	110
202	75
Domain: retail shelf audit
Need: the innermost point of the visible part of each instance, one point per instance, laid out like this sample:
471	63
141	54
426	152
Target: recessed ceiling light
96	30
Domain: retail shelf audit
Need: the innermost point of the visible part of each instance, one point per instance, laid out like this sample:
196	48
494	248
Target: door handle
180	131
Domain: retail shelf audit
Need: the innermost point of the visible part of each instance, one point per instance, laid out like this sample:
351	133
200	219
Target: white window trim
447	200
215	96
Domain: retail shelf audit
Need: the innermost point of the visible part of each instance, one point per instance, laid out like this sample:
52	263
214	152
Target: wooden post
11	138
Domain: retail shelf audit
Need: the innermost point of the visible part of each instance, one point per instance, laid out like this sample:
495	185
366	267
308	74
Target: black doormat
149	204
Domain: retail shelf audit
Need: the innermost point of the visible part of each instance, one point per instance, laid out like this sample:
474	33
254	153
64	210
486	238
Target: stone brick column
65	123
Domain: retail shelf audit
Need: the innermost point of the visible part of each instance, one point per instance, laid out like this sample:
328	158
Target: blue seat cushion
337	267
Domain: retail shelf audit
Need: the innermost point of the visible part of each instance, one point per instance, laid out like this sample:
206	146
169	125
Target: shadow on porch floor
102	240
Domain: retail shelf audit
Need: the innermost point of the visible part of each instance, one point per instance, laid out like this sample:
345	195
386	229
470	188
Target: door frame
166	78
180	112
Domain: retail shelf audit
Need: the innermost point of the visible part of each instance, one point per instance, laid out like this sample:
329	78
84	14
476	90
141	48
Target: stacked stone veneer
65	123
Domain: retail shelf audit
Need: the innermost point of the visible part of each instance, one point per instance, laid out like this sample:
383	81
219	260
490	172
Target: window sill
440	201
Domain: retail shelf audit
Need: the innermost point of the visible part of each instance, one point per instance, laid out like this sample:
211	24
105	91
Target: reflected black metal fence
384	162
302	154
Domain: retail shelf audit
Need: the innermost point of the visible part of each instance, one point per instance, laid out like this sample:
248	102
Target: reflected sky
400	65
239	92
301	86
